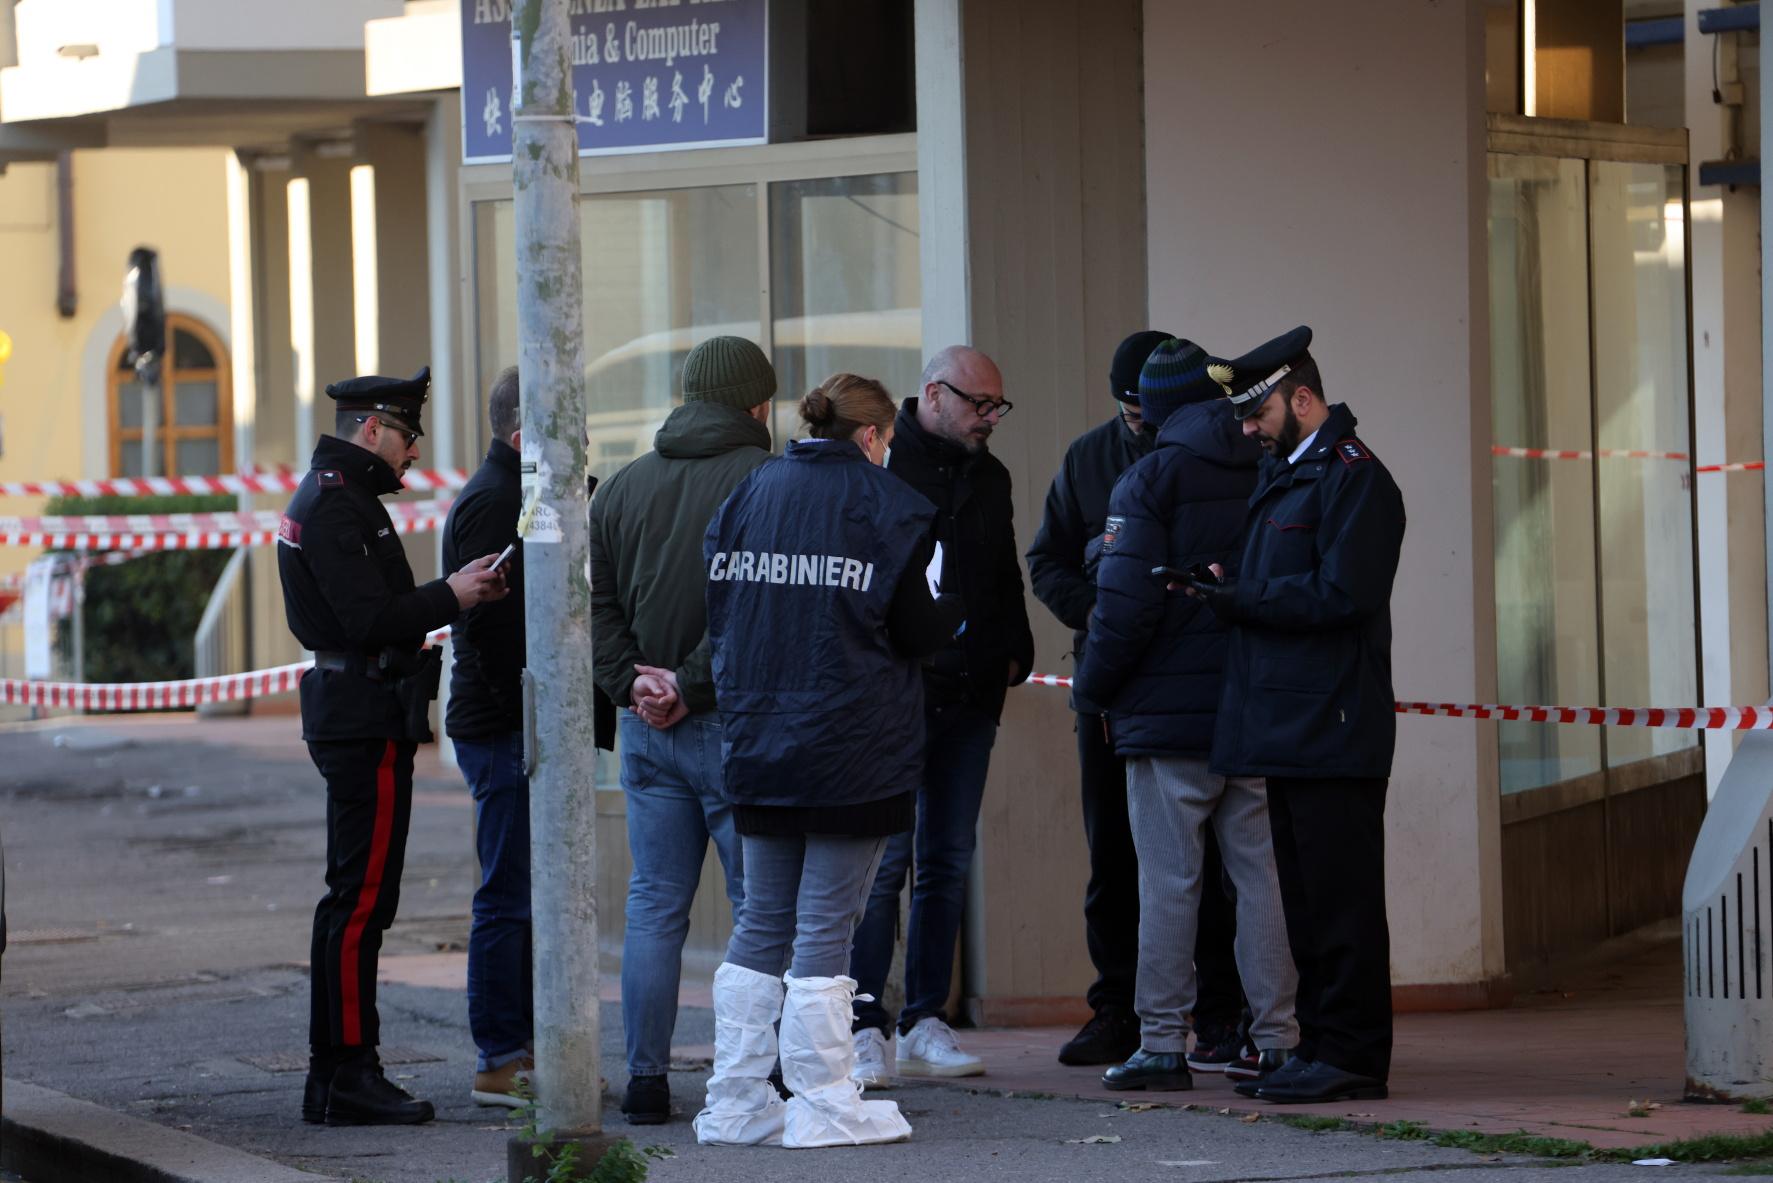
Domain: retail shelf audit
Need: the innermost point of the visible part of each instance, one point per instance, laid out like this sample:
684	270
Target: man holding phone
1309	705
1155	661
485	720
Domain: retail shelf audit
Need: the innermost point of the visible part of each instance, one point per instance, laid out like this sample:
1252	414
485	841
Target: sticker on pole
538	523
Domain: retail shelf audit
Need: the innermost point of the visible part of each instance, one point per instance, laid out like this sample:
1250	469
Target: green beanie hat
728	370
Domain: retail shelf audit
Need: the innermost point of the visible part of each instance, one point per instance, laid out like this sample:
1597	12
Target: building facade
1496	222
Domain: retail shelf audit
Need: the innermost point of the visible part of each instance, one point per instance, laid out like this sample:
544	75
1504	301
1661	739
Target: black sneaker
1111	1035
1215	1047
647	1101
1251	1064
361	1095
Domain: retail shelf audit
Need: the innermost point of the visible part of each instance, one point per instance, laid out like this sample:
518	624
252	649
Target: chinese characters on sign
635	63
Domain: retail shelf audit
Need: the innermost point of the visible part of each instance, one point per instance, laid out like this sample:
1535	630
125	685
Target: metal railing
224	635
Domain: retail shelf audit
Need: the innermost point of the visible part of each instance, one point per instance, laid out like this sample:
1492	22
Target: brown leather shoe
500	1086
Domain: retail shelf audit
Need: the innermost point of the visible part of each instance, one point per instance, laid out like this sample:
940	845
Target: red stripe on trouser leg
351	1005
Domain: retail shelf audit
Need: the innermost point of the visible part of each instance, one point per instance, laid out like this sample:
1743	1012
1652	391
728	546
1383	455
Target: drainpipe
67	290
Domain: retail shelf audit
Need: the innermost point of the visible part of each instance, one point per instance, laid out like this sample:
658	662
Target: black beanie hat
1129	359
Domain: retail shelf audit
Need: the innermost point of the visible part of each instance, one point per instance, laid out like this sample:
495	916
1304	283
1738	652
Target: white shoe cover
818	1054
742	1107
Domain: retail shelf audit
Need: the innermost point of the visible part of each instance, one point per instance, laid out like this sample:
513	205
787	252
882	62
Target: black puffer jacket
1063	558
975	523
1156	658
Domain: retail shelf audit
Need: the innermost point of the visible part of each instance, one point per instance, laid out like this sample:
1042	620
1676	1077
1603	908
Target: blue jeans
956	759
672	781
501	1012
804	894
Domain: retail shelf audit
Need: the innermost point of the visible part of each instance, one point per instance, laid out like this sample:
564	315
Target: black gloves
1220	596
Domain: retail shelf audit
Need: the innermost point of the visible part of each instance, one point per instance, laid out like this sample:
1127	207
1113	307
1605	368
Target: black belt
356	663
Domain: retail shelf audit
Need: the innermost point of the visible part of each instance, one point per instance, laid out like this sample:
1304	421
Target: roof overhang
248	99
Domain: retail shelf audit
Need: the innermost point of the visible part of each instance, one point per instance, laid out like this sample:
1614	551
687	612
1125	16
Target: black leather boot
314	1094
647	1101
1167	1071
1276	1066
361	1095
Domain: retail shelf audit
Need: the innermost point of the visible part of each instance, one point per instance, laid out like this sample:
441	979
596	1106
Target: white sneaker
929	1049
874	1059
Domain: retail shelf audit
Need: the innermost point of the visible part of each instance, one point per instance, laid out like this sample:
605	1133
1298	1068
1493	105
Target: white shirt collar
1304	445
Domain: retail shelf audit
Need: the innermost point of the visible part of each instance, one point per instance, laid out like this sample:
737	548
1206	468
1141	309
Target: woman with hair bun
818	614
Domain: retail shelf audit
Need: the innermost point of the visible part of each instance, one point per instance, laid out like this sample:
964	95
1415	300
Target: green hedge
141	616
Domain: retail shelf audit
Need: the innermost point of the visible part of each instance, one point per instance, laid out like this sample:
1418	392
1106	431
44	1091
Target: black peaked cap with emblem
401	398
1249	379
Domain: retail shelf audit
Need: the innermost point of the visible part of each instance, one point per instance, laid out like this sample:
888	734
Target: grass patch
1316	1125
1710	1148
1757	1105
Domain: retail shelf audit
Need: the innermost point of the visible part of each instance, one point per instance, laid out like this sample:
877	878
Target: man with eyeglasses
349	596
940	448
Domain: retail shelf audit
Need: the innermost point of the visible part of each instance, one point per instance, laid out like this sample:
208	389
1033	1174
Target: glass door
1593	520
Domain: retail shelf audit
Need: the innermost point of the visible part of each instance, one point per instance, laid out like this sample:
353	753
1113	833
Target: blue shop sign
648	75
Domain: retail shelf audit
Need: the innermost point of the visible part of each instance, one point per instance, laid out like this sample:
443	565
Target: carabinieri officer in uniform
1308	704
349	596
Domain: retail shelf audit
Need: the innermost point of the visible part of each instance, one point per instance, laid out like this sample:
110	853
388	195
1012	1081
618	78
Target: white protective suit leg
742	1107
818	1054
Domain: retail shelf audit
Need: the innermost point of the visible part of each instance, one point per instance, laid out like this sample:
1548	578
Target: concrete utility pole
557	594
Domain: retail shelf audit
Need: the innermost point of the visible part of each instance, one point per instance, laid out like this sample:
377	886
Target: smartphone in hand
503	555
1196	573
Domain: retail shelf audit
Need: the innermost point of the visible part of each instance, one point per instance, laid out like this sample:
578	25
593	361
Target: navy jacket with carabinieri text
817	615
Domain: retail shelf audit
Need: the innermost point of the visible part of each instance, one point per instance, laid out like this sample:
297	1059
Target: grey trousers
1169	801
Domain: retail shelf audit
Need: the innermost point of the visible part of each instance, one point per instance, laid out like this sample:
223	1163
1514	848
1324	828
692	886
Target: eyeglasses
982	406
411	437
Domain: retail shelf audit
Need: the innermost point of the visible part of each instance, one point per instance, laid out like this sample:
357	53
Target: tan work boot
499	1086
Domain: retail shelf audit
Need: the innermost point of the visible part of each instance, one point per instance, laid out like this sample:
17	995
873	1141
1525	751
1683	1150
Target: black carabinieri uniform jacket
1308	676
347	588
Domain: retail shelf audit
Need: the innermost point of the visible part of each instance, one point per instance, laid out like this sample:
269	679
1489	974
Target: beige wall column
1031	204
396	153
322	307
1724	228
1324	164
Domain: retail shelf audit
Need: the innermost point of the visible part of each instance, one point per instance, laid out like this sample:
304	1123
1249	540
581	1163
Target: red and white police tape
197	531
1619	454
160	696
252	481
1684	718
193	692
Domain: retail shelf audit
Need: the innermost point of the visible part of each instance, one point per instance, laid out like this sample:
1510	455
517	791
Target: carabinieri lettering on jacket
745	566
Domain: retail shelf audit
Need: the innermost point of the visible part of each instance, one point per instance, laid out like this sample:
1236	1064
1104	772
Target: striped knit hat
1173	376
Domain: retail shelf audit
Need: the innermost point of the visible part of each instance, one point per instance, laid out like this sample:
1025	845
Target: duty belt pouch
416	689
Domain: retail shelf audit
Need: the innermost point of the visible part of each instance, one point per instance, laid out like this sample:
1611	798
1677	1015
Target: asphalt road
159	892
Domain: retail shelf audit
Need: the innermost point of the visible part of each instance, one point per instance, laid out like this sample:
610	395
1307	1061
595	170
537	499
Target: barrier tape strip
192	692
1684	718
252	481
159	696
1615	454
192	523
196	540
1566	454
